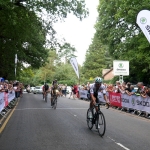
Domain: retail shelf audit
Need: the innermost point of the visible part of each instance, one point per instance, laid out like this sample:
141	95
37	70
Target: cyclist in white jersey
94	89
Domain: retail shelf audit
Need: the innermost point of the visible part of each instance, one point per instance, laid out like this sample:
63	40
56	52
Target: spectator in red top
75	91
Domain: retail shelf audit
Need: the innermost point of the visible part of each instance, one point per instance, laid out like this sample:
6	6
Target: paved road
34	125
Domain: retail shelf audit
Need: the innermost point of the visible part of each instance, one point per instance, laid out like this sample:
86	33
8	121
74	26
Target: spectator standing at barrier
110	88
65	90
78	89
144	93
140	88
88	85
148	92
132	92
72	92
17	89
128	89
21	89
117	87
75	90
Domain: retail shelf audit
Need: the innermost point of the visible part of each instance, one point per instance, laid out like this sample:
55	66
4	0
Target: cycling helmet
98	80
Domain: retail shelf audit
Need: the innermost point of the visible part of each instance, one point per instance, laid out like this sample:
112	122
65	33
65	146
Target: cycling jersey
95	91
100	89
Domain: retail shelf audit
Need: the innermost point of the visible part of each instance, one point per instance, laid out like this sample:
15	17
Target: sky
79	33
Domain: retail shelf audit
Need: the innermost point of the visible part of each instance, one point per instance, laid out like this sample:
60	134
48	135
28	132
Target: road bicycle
45	96
54	101
96	118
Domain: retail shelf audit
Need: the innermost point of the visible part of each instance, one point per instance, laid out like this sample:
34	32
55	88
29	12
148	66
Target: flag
74	64
143	20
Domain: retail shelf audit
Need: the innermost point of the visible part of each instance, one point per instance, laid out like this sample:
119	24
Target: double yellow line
7	119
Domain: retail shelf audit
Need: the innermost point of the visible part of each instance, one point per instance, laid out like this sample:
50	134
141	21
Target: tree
117	27
97	59
23	30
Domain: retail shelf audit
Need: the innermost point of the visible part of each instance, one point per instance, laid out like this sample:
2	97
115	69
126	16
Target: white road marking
119	144
47	108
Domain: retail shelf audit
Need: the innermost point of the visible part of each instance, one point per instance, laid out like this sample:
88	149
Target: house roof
107	71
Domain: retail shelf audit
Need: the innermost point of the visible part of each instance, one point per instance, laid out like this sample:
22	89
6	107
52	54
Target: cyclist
94	89
45	89
54	90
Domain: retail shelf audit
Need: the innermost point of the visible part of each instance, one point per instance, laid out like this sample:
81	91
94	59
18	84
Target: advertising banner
6	98
122	100
115	99
143	20
74	64
11	95
121	67
83	94
2	102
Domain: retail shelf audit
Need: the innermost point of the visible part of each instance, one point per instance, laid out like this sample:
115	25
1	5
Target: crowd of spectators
8	86
138	89
126	87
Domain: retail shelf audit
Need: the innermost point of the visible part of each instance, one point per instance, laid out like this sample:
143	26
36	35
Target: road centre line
118	143
47	108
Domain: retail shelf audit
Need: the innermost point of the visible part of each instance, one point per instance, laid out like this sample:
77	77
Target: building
107	74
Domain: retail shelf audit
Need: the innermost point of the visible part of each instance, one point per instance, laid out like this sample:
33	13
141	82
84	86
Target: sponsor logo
125	100
143	103
148	28
143	20
115	99
120	65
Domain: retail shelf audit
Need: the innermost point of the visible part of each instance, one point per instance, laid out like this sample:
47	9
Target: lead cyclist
94	89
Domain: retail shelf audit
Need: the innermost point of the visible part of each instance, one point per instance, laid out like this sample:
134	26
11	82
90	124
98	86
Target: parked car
38	89
32	89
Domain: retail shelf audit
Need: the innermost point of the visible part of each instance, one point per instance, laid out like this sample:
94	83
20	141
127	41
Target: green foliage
23	30
117	27
68	82
97	58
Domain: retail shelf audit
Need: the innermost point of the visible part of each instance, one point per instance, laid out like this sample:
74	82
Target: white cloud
79	33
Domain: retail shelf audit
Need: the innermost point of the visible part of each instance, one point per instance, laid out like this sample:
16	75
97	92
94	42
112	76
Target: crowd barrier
6	98
122	100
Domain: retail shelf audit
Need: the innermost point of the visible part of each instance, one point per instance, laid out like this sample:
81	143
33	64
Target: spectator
140	88
72	92
144	93
110	88
128	89
132	91
75	91
117	87
148	92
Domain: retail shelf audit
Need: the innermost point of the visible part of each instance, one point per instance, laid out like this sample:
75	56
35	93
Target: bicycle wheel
101	124
46	97
90	118
55	102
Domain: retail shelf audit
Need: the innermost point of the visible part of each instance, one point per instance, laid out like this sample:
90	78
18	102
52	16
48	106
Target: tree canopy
24	26
116	27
